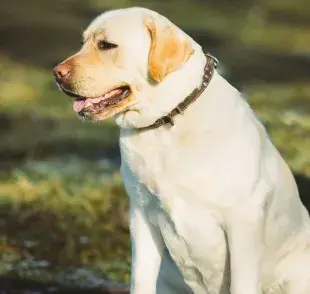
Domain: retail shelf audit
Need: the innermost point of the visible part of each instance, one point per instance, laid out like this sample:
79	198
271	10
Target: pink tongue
78	105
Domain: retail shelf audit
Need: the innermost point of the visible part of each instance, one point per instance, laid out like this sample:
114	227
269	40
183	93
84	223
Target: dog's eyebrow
86	36
93	36
99	32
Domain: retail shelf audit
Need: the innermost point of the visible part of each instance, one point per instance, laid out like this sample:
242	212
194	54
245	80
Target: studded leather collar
210	66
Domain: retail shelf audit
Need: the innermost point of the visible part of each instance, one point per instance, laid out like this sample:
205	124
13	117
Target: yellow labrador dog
214	208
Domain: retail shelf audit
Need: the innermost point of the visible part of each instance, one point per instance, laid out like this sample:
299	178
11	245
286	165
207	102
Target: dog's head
126	54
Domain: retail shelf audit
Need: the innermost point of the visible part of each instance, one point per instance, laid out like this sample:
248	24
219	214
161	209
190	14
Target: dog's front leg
147	245
245	238
147	251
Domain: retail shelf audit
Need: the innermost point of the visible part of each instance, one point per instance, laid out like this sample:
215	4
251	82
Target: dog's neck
157	101
211	64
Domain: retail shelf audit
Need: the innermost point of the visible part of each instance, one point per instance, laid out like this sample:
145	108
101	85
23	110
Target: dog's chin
96	116
102	107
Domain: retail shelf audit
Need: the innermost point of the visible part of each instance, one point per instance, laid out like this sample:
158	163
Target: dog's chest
163	164
192	233
194	239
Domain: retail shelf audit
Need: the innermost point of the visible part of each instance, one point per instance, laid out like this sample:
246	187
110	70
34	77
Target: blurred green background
63	210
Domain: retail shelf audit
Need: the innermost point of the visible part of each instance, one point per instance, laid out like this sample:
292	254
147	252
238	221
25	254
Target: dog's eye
104	45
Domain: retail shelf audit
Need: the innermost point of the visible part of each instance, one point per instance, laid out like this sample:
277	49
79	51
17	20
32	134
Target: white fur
214	208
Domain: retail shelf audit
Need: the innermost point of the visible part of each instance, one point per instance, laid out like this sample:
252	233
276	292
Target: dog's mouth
101	103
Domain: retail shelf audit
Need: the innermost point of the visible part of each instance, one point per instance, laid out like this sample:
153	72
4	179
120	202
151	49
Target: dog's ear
168	50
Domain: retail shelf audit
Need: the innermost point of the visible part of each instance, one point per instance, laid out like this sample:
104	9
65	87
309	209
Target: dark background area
63	210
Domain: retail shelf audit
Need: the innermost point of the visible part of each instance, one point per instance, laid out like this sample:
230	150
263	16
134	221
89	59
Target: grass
72	212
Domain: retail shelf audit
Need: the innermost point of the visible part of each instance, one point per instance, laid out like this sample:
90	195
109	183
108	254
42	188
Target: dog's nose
61	71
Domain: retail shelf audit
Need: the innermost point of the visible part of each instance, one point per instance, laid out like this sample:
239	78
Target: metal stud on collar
180	110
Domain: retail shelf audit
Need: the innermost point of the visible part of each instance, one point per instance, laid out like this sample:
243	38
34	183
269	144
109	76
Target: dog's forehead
116	24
